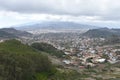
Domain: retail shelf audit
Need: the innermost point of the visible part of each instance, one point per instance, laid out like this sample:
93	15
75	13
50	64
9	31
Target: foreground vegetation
22	62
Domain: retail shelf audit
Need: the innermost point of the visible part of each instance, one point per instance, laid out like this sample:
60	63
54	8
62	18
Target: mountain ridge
102	32
55	26
12	33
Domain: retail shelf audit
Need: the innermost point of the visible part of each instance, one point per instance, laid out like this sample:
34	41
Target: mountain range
54	26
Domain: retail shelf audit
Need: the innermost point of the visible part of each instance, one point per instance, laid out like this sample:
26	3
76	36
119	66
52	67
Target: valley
91	57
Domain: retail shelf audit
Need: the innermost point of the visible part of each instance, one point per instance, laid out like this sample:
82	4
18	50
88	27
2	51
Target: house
1	41
101	60
67	62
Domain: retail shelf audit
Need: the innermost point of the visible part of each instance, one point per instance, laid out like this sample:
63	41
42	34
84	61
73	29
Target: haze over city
104	13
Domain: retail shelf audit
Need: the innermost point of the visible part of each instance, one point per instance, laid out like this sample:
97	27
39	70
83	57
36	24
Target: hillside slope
22	62
102	32
4	34
15	32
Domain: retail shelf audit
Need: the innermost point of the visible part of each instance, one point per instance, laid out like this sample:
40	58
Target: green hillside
22	62
48	48
15	46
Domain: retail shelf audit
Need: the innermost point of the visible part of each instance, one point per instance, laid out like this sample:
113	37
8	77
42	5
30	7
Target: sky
96	12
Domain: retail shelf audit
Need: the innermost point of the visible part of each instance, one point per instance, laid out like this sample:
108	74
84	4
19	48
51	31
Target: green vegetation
48	48
21	62
66	74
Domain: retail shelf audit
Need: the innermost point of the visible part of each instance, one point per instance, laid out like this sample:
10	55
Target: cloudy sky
95	12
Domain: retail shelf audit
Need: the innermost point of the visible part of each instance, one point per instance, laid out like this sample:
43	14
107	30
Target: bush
48	48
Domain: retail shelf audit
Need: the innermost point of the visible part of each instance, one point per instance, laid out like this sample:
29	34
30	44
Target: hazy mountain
54	26
4	34
12	33
102	32
15	32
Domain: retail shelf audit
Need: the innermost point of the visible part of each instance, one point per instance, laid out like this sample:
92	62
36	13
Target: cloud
52	6
19	11
71	7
